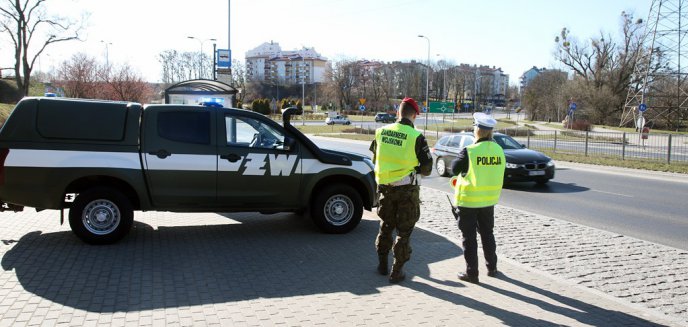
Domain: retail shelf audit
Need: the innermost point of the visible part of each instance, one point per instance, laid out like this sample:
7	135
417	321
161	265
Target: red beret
412	103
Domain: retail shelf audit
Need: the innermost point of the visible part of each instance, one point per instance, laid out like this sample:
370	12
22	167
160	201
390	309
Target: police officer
400	154
480	169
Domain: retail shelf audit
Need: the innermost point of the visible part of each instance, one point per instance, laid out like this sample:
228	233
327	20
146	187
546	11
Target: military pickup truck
104	160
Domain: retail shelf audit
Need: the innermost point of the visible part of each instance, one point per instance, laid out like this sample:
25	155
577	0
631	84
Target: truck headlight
511	165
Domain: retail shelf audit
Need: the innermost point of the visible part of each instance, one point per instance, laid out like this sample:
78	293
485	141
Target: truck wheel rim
339	210
101	217
440	166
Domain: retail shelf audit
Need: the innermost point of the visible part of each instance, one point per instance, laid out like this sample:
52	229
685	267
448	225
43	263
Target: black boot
382	266
397	274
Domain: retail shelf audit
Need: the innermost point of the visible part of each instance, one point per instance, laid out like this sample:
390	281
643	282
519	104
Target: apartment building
270	64
489	84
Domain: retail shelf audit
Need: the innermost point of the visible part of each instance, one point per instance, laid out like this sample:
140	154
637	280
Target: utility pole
427	84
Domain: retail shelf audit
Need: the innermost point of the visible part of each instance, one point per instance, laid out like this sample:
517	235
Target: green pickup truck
103	160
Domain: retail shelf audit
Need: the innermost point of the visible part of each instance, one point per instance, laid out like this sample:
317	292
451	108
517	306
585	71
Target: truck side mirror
288	143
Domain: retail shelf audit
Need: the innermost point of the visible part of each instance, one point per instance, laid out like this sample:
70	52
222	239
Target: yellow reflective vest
395	152
482	184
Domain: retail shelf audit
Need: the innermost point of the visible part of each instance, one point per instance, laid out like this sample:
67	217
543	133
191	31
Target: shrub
581	125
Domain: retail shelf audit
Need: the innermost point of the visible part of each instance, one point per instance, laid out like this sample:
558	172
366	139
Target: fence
668	148
660	147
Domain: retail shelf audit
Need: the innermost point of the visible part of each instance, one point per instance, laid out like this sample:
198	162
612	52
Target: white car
337	120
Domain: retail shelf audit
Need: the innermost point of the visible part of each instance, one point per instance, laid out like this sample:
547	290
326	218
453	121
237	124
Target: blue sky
514	35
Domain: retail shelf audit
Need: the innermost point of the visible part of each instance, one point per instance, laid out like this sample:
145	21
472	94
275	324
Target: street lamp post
427	83
200	58
107	60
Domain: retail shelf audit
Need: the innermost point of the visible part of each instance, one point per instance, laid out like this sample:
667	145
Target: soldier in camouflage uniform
400	154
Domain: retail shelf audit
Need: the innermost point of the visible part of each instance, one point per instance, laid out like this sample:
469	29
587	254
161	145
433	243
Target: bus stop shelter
201	90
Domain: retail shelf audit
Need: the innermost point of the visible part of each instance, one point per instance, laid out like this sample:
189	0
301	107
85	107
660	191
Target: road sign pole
641	124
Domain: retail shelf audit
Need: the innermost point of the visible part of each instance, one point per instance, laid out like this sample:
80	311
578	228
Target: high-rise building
268	63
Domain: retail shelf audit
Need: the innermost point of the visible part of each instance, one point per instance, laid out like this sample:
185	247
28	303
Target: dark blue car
522	164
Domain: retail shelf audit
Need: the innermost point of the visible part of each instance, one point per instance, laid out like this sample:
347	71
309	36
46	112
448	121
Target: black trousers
471	222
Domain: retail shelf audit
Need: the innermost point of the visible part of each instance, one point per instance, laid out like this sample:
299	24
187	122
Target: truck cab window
187	127
248	132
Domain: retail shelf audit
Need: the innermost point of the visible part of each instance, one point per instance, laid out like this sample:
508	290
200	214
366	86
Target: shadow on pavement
275	256
582	312
550	187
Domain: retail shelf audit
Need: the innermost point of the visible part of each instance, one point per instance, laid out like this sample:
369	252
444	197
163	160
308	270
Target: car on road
337	120
522	164
383	117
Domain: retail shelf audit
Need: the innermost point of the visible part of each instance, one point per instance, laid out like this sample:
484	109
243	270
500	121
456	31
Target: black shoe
466	278
382	267
493	273
396	276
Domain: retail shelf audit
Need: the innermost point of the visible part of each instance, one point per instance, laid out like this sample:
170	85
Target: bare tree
79	76
124	84
32	30
83	77
180	66
239	79
604	64
342	82
543	96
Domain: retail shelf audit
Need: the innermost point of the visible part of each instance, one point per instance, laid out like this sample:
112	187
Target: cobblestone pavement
207	269
649	274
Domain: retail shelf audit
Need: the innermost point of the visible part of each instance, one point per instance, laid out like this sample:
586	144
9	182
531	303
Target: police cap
484	121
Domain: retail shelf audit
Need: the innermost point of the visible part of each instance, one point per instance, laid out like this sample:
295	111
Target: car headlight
550	163
511	165
369	163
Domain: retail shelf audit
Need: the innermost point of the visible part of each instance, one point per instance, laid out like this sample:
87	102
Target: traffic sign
362	101
642	107
362	108
441	106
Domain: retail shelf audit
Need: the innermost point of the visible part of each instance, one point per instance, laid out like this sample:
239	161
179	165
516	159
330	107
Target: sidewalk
178	269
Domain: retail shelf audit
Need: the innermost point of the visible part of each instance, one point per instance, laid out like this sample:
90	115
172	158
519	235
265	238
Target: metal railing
668	148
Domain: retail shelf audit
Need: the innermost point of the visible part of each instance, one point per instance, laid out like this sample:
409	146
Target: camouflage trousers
399	209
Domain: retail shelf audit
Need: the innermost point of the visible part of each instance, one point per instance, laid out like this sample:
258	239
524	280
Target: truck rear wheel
337	209
101	216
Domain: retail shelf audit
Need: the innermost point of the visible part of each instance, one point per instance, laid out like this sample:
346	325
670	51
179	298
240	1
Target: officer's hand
455	212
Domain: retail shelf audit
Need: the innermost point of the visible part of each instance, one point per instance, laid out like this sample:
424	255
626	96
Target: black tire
337	209
441	167
114	220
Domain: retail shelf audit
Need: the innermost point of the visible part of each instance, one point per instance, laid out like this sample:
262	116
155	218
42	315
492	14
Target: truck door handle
232	157
162	153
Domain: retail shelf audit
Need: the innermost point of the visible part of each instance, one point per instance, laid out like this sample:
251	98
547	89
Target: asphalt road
646	205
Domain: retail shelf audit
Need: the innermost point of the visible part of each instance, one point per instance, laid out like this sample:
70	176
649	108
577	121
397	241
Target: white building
268	63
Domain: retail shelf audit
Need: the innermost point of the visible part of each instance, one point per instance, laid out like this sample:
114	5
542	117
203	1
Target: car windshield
507	143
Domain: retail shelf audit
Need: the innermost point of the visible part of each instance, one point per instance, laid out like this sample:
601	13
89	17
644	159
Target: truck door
180	157
256	164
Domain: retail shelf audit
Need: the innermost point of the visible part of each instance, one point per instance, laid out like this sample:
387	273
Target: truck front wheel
101	216
337	209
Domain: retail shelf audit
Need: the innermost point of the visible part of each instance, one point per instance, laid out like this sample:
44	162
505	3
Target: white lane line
612	193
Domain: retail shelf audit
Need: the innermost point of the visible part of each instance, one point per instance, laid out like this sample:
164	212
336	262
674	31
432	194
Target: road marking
612	193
